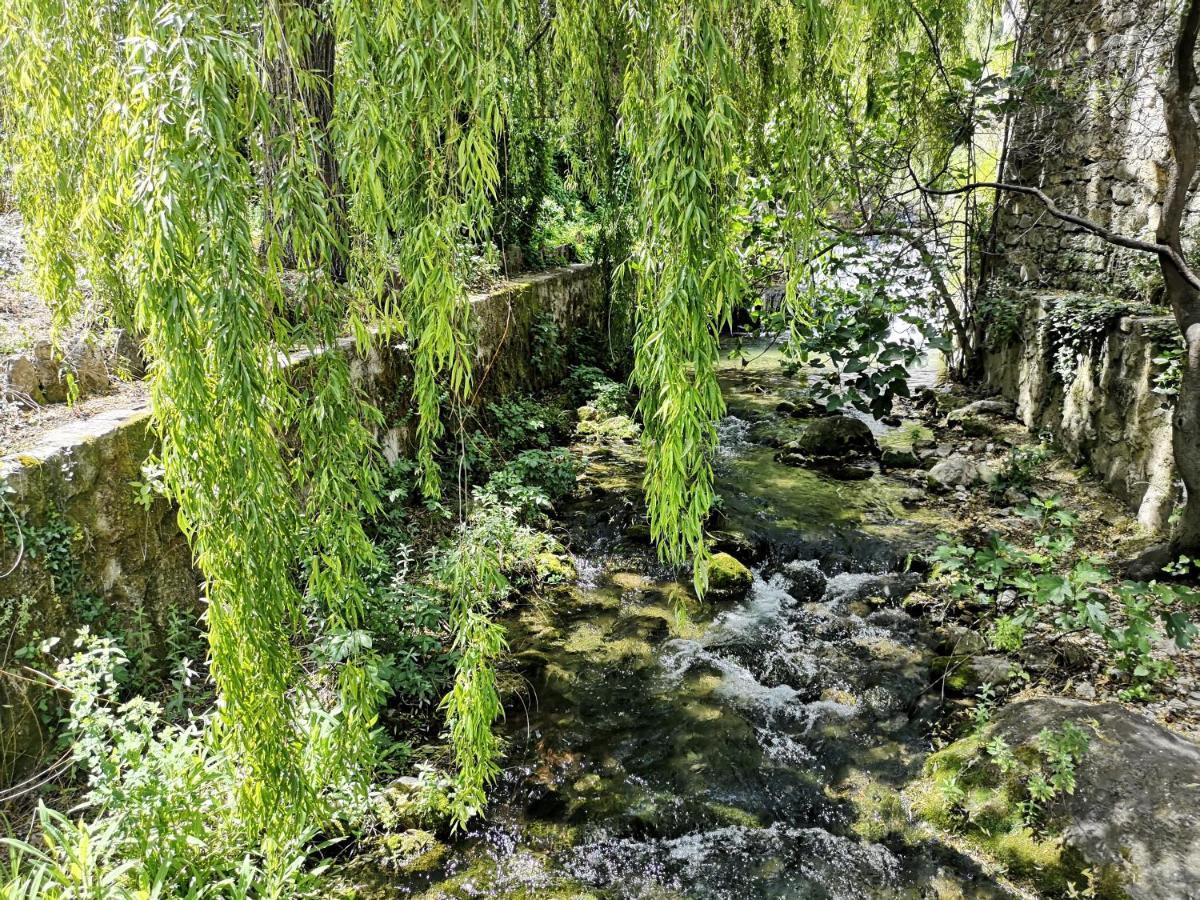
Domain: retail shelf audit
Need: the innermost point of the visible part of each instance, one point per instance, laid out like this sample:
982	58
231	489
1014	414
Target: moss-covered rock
555	568
614	428
965	793
411	852
728	579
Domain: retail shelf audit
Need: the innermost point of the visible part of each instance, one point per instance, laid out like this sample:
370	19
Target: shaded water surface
669	748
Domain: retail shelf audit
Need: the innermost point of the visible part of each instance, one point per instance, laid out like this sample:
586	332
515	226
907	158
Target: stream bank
774	744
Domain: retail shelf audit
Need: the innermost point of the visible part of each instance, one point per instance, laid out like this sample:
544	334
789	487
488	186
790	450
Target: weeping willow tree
236	179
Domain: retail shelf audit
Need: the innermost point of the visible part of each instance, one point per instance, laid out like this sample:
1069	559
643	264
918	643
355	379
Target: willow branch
1112	237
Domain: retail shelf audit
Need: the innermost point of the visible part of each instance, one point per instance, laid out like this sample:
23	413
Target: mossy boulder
838	436
728	579
1128	820
613	428
411	852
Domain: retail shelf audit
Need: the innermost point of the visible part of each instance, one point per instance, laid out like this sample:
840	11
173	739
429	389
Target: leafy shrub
158	799
582	384
549	352
521	423
1070	593
533	481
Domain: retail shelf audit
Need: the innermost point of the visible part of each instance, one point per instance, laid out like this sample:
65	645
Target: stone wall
87	541
1105	415
1093	138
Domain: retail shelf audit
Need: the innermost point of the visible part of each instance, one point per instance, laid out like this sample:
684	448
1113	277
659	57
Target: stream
668	748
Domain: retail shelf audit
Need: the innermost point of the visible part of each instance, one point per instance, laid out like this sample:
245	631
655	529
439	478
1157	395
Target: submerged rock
728	579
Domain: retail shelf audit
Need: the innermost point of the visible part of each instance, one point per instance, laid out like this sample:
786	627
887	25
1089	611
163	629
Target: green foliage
533	481
1050	584
1169	368
549	353
214	188
860	295
157	812
1001	314
1075	324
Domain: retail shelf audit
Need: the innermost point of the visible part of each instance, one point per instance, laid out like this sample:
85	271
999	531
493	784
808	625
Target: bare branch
1112	237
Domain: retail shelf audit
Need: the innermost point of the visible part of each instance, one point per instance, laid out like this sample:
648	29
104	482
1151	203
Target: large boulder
838	436
1132	819
980	408
957	471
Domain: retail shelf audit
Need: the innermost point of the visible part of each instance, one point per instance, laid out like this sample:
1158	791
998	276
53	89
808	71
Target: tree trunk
1182	294
1186	436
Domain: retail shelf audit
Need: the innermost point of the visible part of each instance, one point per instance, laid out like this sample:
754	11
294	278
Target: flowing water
666	748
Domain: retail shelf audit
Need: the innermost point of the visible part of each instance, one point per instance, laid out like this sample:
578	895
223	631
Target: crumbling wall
86	539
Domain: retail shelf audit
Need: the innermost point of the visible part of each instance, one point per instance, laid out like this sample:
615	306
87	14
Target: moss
411	852
553	836
974	427
728	579
905	436
880	813
614	428
726	814
962	792
554	568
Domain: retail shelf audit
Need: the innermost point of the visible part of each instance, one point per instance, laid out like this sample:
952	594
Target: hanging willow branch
240	178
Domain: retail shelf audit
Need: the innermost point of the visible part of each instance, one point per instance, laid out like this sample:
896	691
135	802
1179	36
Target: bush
534	481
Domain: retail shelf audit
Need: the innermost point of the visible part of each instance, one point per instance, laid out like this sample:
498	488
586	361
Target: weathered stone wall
85	542
1106	415
1093	138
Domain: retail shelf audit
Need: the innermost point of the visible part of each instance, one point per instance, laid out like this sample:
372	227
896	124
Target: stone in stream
728	579
838	436
805	580
1132	820
893	458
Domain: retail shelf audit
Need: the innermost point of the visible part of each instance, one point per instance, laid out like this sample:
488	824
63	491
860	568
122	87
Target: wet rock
771	433
892	421
957	471
410	852
638	533
912	497
899	459
850	587
805	580
728	579
734	543
838	436
555	568
980	408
